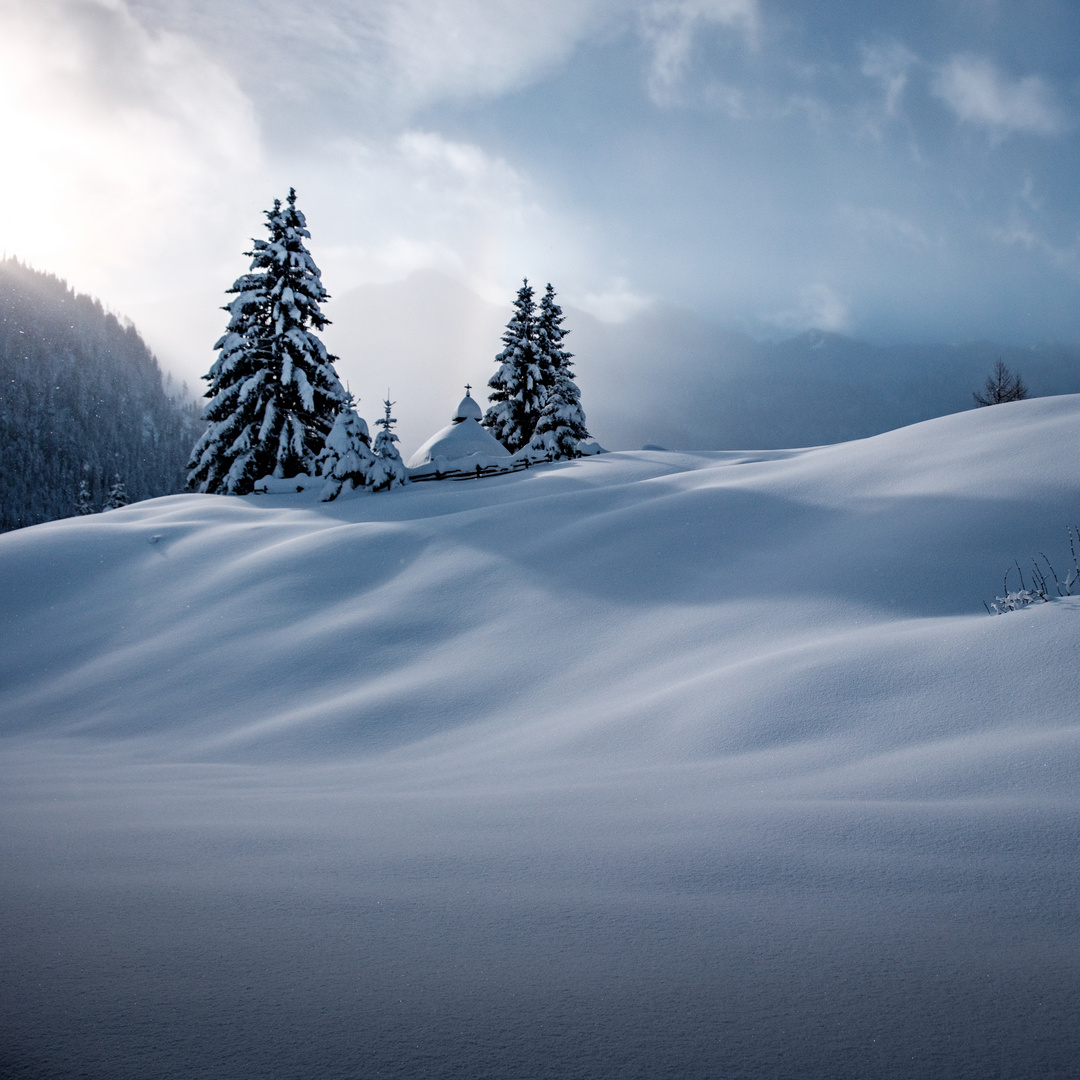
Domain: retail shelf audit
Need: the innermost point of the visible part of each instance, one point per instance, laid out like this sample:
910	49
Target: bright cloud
143	170
671	26
385	58
422	201
128	142
456	47
978	93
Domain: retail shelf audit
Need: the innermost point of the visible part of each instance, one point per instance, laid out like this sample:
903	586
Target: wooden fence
422	473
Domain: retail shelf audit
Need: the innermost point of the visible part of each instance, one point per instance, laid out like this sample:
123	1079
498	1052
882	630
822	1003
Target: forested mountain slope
81	396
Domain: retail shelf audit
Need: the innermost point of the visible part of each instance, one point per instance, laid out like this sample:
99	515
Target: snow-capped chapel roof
469	409
463	437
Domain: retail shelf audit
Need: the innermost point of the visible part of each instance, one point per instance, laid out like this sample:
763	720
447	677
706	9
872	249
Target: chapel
464	436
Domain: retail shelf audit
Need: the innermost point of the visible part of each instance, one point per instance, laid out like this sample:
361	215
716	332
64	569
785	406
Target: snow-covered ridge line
279	624
469	467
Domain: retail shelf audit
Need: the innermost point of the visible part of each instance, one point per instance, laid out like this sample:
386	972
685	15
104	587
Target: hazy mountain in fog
666	375
422	338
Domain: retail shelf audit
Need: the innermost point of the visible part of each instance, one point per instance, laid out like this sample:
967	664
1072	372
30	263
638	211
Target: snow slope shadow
434	784
273	627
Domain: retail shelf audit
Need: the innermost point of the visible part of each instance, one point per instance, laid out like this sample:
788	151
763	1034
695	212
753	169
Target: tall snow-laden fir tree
346	460
550	334
389	469
561	424
517	388
273	392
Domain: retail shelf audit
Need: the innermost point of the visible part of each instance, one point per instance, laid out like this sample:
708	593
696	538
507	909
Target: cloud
889	64
128	141
142	171
670	27
979	94
1019	232
616	304
381	60
874	224
465	166
819	308
455	47
726	99
422	201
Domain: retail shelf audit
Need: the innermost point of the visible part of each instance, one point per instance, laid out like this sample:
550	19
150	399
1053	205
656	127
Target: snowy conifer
389	469
84	503
550	334
273	392
118	495
517	388
346	460
561	424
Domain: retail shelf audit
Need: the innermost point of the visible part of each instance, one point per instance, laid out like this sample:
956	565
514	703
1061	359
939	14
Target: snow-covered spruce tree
346	460
273	392
388	469
84	502
118	495
517	388
561	424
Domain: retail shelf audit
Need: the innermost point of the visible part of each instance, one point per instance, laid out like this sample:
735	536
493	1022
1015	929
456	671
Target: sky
901	173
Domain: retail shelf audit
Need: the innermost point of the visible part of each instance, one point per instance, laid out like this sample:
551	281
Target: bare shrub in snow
1040	591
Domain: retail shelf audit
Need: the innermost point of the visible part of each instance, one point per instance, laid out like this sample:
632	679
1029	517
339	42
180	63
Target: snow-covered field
644	765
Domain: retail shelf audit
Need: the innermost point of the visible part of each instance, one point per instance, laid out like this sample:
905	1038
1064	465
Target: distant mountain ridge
81	396
717	389
668	376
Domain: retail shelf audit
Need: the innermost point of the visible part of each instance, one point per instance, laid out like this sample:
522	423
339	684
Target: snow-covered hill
645	764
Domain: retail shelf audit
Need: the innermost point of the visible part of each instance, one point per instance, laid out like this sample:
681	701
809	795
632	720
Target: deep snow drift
646	764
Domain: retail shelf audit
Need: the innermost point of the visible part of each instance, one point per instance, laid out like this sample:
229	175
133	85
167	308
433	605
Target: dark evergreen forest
81	397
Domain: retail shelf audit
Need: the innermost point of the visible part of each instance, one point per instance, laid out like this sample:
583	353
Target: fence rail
477	473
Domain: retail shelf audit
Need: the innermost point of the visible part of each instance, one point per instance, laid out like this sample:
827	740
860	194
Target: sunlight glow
123	140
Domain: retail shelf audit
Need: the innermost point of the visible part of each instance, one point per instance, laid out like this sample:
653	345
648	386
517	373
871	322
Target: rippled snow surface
646	765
